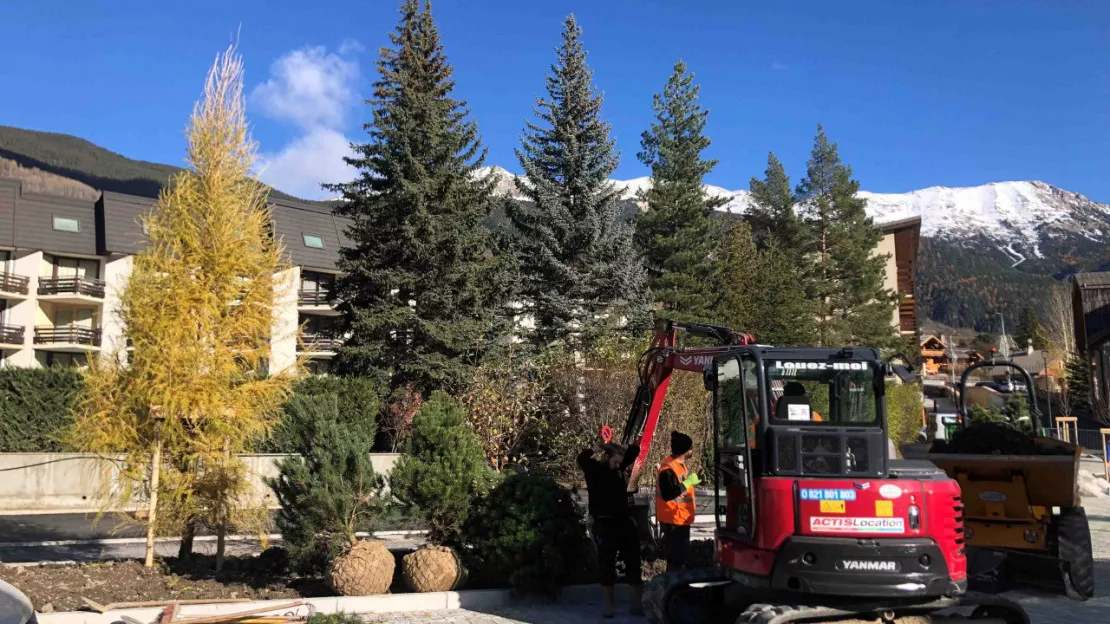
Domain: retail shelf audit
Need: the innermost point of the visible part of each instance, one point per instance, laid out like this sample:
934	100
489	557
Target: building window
312	240
66	224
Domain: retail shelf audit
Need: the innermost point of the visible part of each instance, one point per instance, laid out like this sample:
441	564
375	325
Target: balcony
71	289
11	335
12	284
70	338
316	301
905	281
318	344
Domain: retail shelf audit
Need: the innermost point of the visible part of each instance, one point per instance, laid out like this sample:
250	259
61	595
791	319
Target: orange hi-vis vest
680	511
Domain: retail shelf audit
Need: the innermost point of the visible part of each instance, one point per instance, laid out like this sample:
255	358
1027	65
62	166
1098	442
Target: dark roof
1092	280
111	225
901	224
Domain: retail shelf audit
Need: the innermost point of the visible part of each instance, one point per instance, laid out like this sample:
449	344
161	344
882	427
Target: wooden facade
901	240
1091	309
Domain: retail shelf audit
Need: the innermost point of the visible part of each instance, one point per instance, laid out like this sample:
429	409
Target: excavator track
707	597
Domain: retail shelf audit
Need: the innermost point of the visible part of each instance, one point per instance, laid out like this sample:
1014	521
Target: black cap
680	443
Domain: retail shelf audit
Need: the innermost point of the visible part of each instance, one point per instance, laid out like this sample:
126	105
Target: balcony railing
67	334
71	286
10	282
905	281
11	334
314	298
317	342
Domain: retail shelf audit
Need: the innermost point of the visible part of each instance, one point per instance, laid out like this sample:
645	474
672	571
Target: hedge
36	405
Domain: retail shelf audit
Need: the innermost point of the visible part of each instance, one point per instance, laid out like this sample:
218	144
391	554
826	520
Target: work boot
636	599
609	605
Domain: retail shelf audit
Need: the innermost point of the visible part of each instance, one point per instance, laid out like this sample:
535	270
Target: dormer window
66	224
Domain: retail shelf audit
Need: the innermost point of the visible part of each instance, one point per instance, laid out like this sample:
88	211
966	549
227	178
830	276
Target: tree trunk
185	550
152	516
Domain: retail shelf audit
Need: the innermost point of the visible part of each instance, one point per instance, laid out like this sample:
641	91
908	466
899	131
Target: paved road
1043	608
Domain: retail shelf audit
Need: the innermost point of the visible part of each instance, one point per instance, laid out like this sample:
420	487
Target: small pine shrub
330	491
442	470
359	403
528	533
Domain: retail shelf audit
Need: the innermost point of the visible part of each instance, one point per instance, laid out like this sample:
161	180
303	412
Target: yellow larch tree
199	312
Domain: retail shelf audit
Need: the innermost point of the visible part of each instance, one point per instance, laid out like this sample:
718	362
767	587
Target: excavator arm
655	368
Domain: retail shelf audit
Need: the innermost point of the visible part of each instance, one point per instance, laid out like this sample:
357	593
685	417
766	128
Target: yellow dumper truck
1020	495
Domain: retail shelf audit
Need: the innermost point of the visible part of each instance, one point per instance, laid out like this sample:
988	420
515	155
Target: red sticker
607	433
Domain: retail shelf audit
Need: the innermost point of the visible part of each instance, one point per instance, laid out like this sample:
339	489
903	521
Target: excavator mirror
709	377
903	373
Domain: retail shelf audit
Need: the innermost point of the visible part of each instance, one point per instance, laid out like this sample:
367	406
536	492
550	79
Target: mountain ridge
990	248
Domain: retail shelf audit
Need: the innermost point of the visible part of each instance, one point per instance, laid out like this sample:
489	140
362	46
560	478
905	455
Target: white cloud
779	66
350	46
309	87
313	90
308	161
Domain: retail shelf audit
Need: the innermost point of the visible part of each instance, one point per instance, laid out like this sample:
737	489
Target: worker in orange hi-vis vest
674	501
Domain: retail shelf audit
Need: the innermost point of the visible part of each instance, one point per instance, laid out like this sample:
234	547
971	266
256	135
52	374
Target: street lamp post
1048	385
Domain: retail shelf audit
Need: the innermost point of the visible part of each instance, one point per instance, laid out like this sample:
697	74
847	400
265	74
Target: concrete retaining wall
72	481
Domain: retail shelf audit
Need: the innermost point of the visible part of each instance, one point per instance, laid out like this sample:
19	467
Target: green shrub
903	412
329	491
359	404
442	470
529	533
36	406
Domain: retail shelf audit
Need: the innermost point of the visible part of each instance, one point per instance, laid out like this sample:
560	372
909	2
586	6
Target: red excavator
815	521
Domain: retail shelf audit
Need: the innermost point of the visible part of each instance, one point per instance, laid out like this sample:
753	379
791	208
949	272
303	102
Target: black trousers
676	544
613	536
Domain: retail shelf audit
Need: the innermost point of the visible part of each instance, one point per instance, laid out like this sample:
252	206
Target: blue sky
917	94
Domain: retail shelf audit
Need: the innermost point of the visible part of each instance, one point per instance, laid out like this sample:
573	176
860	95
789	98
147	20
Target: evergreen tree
762	292
772	214
328	490
846	278
443	471
1078	381
676	231
1029	329
423	288
579	271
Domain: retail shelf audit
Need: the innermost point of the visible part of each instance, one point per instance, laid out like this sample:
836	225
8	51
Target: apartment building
64	262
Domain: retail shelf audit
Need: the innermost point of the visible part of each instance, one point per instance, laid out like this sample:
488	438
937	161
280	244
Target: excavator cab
793	412
815	521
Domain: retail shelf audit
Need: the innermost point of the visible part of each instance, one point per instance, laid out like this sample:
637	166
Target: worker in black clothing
614	530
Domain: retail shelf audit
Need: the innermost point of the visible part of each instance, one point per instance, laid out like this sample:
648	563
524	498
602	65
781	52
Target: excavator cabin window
822	393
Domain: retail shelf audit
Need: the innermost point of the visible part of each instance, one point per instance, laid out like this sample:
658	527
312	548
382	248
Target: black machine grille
858	451
826	451
786	453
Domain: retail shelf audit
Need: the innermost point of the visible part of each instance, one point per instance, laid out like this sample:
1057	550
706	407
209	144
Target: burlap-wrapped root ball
433	569
364	570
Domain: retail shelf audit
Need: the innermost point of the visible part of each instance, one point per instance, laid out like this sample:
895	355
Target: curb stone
471	600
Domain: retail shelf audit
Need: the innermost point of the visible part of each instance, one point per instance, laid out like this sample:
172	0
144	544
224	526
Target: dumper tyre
1073	541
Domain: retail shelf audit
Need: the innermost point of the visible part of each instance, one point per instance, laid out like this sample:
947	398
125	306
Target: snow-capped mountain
1007	213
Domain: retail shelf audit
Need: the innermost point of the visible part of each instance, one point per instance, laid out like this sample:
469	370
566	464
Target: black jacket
607	488
670	487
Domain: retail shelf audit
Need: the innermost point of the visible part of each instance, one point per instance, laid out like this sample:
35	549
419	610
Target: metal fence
1089	439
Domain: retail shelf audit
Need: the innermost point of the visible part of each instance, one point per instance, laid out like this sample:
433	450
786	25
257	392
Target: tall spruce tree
846	277
772	215
423	288
762	292
1030	330
579	271
676	232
